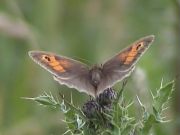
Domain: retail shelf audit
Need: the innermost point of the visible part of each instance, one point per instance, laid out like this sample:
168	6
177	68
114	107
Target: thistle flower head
107	97
91	108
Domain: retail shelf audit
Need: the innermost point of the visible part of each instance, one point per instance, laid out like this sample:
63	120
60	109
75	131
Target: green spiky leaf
162	96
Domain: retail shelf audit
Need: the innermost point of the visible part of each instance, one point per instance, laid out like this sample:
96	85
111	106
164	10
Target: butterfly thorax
95	76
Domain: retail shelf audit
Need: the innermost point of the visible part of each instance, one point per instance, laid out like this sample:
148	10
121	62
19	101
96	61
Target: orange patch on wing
65	63
131	55
128	57
123	56
60	65
59	68
57	65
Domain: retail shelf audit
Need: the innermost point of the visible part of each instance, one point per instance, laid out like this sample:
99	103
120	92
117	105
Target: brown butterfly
95	80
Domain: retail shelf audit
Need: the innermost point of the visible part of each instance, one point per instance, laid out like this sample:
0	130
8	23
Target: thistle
108	114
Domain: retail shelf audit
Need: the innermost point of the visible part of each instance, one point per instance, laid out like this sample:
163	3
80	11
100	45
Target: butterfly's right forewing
69	72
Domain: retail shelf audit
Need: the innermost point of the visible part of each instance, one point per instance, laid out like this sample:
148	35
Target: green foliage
112	117
162	96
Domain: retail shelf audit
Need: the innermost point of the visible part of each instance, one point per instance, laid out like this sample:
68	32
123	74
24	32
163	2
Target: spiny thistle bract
108	114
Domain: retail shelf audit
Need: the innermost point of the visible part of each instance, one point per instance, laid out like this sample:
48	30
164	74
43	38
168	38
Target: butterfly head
95	75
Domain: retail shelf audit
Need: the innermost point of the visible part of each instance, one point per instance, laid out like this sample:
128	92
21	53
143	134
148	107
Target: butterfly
96	79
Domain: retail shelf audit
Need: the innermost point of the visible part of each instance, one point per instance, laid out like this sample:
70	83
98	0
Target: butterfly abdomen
95	76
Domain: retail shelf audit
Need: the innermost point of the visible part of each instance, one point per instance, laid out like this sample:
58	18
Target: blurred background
90	31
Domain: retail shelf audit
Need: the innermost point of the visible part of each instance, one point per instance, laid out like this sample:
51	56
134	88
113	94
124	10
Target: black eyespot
139	46
47	58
